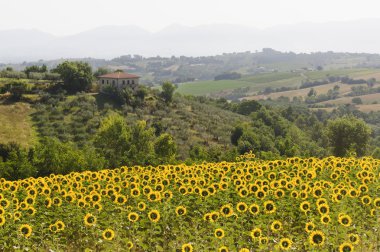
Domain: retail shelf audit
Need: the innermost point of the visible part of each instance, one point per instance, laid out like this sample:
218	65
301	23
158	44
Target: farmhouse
118	80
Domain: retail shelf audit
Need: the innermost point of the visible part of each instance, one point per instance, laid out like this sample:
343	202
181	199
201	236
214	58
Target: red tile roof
119	75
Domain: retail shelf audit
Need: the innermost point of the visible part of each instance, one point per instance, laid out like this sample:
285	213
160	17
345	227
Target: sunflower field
330	204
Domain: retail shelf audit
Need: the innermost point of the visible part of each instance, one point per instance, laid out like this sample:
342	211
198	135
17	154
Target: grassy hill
16	125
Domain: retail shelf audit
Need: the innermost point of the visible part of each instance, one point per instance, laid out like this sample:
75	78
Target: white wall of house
118	83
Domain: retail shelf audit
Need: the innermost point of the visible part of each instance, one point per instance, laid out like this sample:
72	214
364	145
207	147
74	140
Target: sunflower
108	234
219	233
89	220
57	201
244	250
60	225
269	207
25	230
354	238
241	207
223	249
120	199
254	209
95	197
135	192
48	202
98	206
346	247
260	194
376	202
214	216
263	240
129	245
53	228
294	194
204	193
17	215
141	206
2	220
345	220
309	226
366	200
285	243
256	233
305	206
276	226
133	217
325	219
226	210
180	210
323	209
154	216
187	247
279	193
317	238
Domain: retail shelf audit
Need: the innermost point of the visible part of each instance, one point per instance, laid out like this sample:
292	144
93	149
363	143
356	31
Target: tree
76	76
357	100
312	92
167	91
247	107
123	144
101	71
347	134
16	88
165	148
35	69
112	140
53	156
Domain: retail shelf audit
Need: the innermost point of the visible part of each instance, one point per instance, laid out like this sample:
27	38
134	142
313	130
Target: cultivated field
259	82
329	204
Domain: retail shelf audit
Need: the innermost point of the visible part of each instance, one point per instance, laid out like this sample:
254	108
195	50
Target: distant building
118	80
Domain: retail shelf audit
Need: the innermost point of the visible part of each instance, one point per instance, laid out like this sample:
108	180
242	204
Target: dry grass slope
16	125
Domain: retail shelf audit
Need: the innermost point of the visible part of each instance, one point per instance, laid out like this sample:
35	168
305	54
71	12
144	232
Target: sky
66	17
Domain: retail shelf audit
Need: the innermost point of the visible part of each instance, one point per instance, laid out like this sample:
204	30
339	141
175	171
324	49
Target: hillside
16	124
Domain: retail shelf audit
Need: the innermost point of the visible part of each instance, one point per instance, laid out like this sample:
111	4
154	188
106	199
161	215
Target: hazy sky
63	17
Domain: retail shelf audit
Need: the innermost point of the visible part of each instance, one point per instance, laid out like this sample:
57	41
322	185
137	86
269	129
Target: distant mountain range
112	41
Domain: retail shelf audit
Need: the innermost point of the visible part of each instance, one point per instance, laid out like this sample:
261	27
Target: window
113	82
128	82
133	82
123	82
107	81
102	81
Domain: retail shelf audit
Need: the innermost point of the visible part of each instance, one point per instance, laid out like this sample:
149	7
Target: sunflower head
317	238
285	243
345	220
133	217
108	234
256	233
25	230
154	216
219	233
354	239
346	247
276	226
269	207
187	248
89	220
60	225
223	249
